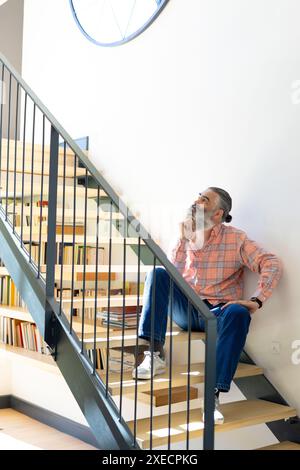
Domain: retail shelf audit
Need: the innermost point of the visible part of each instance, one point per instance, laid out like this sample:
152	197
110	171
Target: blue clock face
114	22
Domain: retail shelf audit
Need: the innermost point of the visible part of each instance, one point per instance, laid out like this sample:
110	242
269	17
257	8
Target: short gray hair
225	203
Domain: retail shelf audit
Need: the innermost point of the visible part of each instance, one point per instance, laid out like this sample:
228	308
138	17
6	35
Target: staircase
57	217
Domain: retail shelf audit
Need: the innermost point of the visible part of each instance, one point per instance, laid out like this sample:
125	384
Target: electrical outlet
276	347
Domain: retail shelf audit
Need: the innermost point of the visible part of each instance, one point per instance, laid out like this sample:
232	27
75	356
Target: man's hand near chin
249	304
187	230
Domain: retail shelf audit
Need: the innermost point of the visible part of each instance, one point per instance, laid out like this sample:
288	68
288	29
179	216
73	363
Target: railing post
210	383
51	236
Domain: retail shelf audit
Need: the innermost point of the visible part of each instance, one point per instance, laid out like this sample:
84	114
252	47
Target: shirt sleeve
178	255
268	265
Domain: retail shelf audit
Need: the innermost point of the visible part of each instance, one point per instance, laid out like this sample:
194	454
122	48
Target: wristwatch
255	299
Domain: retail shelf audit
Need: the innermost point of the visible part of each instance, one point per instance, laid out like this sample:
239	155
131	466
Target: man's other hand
249	304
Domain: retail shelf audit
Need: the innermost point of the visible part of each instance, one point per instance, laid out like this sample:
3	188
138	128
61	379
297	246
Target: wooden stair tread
69	213
237	414
69	172
179	378
102	302
36	191
284	445
37	148
161	397
102	268
79	239
115	338
88	328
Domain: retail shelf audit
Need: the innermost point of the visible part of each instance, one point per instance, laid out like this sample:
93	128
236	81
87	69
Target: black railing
61	225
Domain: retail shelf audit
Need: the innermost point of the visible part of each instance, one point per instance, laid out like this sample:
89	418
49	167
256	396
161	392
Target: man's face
208	203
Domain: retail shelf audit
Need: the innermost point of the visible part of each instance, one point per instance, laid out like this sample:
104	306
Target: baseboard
5	401
49	418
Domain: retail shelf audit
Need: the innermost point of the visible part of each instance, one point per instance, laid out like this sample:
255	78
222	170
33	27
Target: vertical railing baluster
188	378
170	361
108	300
73	248
15	162
51	233
23	168
210	383
84	259
42	196
32	182
8	144
152	348
1	126
123	323
96	279
63	231
137	341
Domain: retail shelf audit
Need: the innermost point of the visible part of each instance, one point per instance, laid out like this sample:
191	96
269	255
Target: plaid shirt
215	271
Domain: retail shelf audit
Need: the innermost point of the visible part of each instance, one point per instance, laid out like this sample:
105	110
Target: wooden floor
19	432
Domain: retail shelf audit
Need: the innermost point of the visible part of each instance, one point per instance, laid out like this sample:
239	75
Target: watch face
114	22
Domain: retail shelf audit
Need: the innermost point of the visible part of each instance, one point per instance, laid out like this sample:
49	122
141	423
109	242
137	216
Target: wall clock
115	22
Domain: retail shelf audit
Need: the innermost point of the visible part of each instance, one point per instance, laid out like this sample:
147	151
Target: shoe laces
147	359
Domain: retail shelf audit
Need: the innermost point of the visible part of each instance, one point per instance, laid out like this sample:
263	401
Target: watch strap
255	299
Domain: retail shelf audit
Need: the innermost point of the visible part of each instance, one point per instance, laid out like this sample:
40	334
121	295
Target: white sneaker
218	416
144	369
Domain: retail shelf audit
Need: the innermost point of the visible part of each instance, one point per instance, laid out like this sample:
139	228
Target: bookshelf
19	334
36	356
18	330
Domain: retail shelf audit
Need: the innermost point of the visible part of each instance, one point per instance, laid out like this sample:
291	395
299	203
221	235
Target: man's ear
219	213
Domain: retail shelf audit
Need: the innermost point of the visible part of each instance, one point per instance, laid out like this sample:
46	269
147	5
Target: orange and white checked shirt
215	271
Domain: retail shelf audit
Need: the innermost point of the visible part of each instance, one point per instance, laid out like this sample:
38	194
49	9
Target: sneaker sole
148	377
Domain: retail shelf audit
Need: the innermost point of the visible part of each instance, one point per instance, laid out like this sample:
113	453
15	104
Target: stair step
115	339
79	239
67	283
102	302
237	414
69	213
179	378
38	149
161	397
102	268
90	274
36	191
37	170
88	328
285	445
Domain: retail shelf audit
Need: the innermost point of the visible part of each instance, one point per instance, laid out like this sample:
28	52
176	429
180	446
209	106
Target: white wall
5	382
204	97
38	383
11	38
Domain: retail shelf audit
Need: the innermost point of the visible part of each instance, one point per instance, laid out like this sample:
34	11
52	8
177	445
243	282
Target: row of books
9	294
22	335
118	316
64	253
116	359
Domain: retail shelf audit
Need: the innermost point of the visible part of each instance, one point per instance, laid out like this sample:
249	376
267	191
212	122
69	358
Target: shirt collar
216	229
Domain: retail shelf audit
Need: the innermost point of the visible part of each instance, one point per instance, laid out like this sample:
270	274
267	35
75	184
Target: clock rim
129	38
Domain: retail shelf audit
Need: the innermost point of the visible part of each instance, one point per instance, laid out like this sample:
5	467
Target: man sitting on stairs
211	257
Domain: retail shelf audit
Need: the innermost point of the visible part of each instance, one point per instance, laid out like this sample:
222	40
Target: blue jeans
232	323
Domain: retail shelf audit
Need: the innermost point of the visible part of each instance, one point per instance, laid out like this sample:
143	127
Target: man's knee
238	312
159	273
